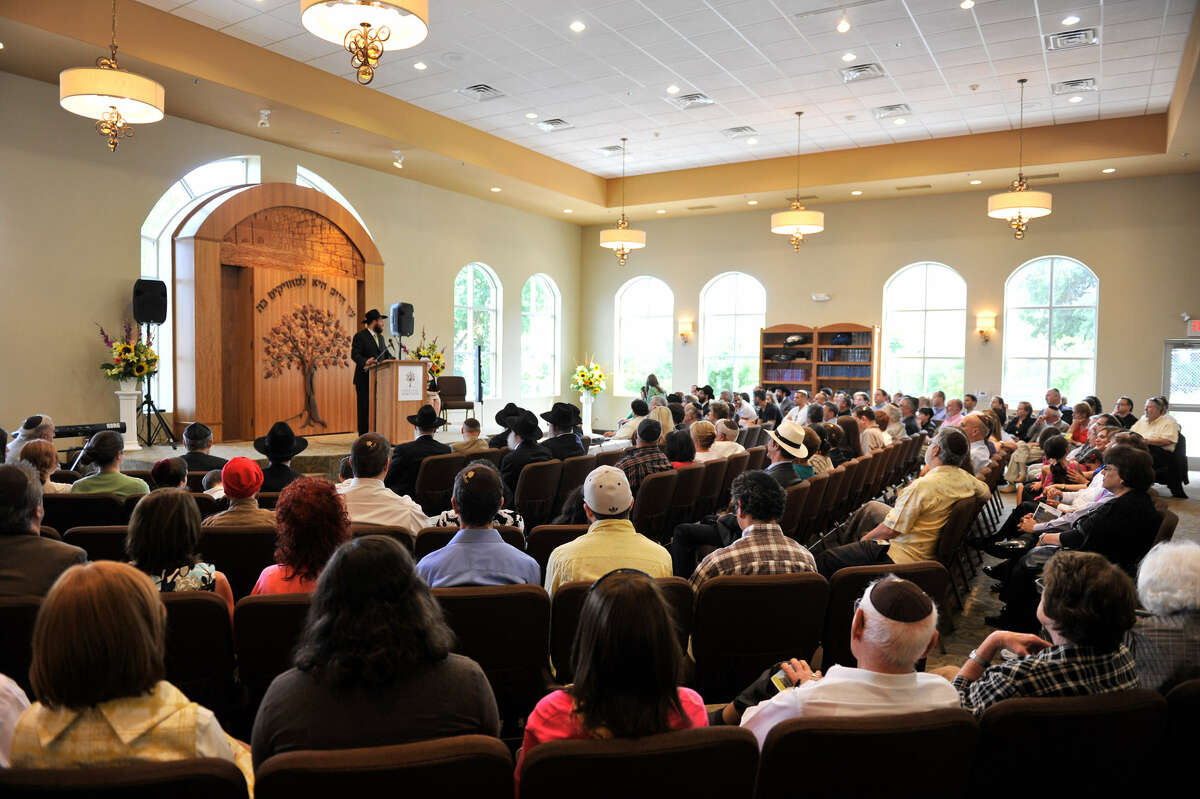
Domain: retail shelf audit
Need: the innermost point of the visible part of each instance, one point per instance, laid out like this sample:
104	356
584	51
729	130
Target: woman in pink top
310	523
627	663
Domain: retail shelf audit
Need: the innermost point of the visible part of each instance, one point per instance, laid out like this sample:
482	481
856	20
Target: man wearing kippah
368	500
38	427
197	438
242	479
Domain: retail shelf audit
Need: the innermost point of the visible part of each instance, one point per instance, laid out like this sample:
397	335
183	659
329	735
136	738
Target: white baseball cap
606	491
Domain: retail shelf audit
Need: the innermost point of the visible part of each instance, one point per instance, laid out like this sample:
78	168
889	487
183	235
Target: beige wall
1140	236
70	215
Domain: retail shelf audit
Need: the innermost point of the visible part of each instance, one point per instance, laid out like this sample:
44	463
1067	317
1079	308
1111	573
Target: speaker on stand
150	308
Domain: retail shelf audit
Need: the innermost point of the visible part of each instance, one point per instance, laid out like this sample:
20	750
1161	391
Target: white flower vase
586	398
129	396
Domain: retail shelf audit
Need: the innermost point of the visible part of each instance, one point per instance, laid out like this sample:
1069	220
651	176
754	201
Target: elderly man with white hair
35	428
894	627
1165	641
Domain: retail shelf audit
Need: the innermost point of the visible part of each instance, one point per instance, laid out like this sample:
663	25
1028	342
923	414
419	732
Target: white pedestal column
585	401
128	402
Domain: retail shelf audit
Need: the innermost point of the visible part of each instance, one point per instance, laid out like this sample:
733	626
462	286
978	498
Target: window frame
618	298
497	333
753	355
886	359
555	383
307	178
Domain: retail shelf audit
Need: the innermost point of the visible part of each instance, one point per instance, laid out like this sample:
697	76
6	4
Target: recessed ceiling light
966	5
1071	20
661	211
1075	99
856	193
672	89
849	57
420	65
568	210
843	25
751	140
1	45
578	26
397	159
496	188
751	202
531	115
1109	170
976	182
899	121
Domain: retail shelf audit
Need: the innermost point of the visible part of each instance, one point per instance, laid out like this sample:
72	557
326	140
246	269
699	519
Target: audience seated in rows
1123	411
368	499
241	481
610	541
680	449
767	411
562	442
1165	641
38	427
646	456
98	672
40	454
169	473
406	459
692	413
471	443
1054	400
954	413
29	563
1161	432
477	555
726	443
816	441
279	445
163	541
870	437
639	410
106	450
704	436
197	440
374	665
310	523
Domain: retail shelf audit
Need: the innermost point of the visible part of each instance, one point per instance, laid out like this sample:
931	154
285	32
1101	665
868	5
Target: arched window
924	330
183	195
477	323
645	311
311	180
540	311
1050	329
733	311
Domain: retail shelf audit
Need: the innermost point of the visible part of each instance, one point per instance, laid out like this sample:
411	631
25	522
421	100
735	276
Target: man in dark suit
500	440
406	458
524	435
366	349
784	446
29	564
280	445
563	443
197	438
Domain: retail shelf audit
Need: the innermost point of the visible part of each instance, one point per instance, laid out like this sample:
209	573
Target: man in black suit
29	564
563	443
406	458
280	445
784	446
197	438
500	440
366	349
524	435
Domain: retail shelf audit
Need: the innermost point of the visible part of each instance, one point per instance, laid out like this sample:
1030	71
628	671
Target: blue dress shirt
478	557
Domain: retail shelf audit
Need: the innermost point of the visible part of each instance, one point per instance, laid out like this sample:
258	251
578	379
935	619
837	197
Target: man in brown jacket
242	478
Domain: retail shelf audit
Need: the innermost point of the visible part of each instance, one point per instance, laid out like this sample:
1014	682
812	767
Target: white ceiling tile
721	41
649	33
1126	80
953	40
1132	49
1177	23
1110	96
304	47
1015	48
1012	29
199	18
227	11
926	93
944	21
165	5
1121	66
908	65
697	23
1126	31
919	80
748	12
771	32
962	57
1003	11
1164	77
1133	10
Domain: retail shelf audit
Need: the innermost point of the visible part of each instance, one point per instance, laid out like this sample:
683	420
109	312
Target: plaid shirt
762	549
638	463
1166	649
1057	671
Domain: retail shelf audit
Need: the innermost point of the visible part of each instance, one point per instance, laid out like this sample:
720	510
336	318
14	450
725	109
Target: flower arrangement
588	377
132	358
429	351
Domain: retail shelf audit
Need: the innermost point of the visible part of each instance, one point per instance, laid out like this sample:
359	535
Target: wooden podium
397	392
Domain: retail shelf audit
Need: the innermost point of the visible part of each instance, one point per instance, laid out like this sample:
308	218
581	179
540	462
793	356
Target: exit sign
1194	327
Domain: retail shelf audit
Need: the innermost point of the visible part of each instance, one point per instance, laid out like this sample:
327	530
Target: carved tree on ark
307	339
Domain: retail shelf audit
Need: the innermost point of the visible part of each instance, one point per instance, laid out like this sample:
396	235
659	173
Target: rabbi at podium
365	350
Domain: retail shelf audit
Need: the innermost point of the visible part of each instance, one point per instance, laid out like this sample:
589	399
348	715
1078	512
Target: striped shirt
762	549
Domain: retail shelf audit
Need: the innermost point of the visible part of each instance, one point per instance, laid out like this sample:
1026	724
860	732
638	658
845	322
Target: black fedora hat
426	418
372	315
563	415
504	414
525	425
280	443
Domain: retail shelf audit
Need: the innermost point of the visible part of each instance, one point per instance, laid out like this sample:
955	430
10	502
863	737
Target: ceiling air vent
701	207
892	111
480	92
1075	86
551	125
1084	37
740	132
1043	176
685	101
612	149
915	188
862	72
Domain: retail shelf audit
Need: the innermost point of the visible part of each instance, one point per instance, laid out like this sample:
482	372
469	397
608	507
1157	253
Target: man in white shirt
976	430
726	443
368	500
744	411
894	626
798	413
1161	432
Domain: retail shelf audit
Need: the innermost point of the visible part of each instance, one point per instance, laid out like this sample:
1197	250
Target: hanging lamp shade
797	222
622	238
1022	203
408	20
91	91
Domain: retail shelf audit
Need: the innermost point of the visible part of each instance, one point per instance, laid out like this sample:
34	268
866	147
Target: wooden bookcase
815	360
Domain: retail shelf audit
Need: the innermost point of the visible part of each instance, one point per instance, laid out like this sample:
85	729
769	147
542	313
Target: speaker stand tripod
154	422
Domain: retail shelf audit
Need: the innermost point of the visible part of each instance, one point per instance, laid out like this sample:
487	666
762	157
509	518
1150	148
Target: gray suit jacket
29	564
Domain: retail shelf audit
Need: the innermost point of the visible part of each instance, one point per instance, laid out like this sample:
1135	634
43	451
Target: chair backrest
64	476
401	534
195	480
477	766
240	552
850	431
266	631
574	471
837	502
506	630
653	504
1183	708
609	457
141	474
814	504
452	388
435	481
744	623
64	511
706	761
536	489
100	542
797	495
1166	528
954	531
687	489
199	778
741	435
1103	745
710	487
206	504
735	464
17	615
756	457
267	499
846	586
567	606
492	455
544	538
912	755
199	652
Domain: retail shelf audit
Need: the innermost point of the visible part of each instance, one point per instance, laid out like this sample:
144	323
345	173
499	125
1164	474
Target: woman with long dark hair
373	666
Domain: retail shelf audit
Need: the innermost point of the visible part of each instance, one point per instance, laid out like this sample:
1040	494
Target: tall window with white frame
311	180
733	311
924	330
157	231
1050	315
645	314
540	312
477	324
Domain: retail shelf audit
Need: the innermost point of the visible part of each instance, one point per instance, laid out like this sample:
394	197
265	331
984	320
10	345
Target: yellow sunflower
139	369
125	350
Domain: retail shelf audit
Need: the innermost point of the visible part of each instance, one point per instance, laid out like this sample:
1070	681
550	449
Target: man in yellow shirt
610	542
909	531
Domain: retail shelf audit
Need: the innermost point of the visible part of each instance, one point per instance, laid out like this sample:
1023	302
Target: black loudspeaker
149	302
402	319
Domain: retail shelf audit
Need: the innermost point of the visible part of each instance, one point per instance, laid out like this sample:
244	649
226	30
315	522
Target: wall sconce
686	330
985	325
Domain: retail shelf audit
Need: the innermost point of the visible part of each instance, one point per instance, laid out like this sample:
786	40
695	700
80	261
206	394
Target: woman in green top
106	449
652	388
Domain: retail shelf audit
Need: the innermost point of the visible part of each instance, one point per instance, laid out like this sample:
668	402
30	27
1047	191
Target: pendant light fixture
797	222
362	27
622	239
1018	205
113	97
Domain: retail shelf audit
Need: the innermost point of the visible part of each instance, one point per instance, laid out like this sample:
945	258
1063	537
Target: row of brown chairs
195	480
64	511
1110	744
